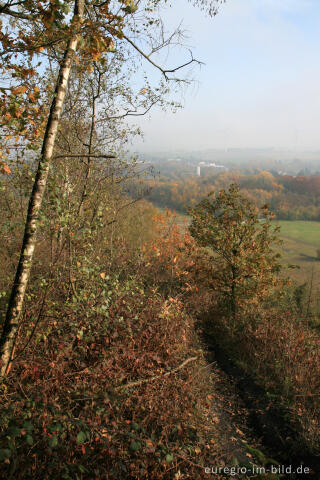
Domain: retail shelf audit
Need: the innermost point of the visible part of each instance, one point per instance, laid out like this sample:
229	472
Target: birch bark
13	315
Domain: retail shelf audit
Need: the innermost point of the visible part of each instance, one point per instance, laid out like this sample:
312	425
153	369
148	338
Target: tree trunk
90	145
233	291
15	305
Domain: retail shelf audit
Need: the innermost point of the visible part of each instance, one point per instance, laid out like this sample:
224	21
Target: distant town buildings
210	165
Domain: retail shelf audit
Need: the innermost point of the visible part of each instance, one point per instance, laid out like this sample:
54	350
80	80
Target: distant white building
217	166
209	165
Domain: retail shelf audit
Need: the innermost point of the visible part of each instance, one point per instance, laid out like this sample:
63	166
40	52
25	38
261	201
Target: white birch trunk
13	316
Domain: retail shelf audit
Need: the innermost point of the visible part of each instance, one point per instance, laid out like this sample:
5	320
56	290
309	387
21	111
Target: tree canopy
241	240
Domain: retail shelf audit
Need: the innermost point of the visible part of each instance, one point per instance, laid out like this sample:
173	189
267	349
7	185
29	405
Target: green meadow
305	232
301	239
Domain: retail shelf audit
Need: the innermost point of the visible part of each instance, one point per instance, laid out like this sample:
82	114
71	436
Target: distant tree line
289	197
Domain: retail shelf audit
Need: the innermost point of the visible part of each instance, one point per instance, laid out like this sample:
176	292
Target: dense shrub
90	393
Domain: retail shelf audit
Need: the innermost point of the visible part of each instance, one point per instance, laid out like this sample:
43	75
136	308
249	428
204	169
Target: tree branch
77	155
6	10
131	113
156	377
162	70
122	207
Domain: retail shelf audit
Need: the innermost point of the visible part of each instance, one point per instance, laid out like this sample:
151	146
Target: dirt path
252	430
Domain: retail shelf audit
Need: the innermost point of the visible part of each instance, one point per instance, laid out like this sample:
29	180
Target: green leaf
169	457
14	432
53	441
57	427
83	469
29	440
81	437
135	446
28	426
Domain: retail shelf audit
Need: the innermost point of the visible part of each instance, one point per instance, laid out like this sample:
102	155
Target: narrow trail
251	428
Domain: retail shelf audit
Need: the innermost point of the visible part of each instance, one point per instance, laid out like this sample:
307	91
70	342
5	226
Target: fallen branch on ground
156	377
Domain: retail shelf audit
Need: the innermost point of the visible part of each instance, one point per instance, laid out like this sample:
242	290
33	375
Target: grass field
301	239
305	232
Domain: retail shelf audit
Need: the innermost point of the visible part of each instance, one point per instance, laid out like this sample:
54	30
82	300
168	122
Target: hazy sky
260	85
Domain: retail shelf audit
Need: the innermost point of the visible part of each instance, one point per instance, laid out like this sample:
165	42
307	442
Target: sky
259	87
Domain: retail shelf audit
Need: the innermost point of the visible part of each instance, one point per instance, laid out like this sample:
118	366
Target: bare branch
157	377
122	207
6	10
77	155
162	70
131	113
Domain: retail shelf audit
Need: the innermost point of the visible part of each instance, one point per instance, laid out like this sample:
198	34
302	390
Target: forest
290	197
136	344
